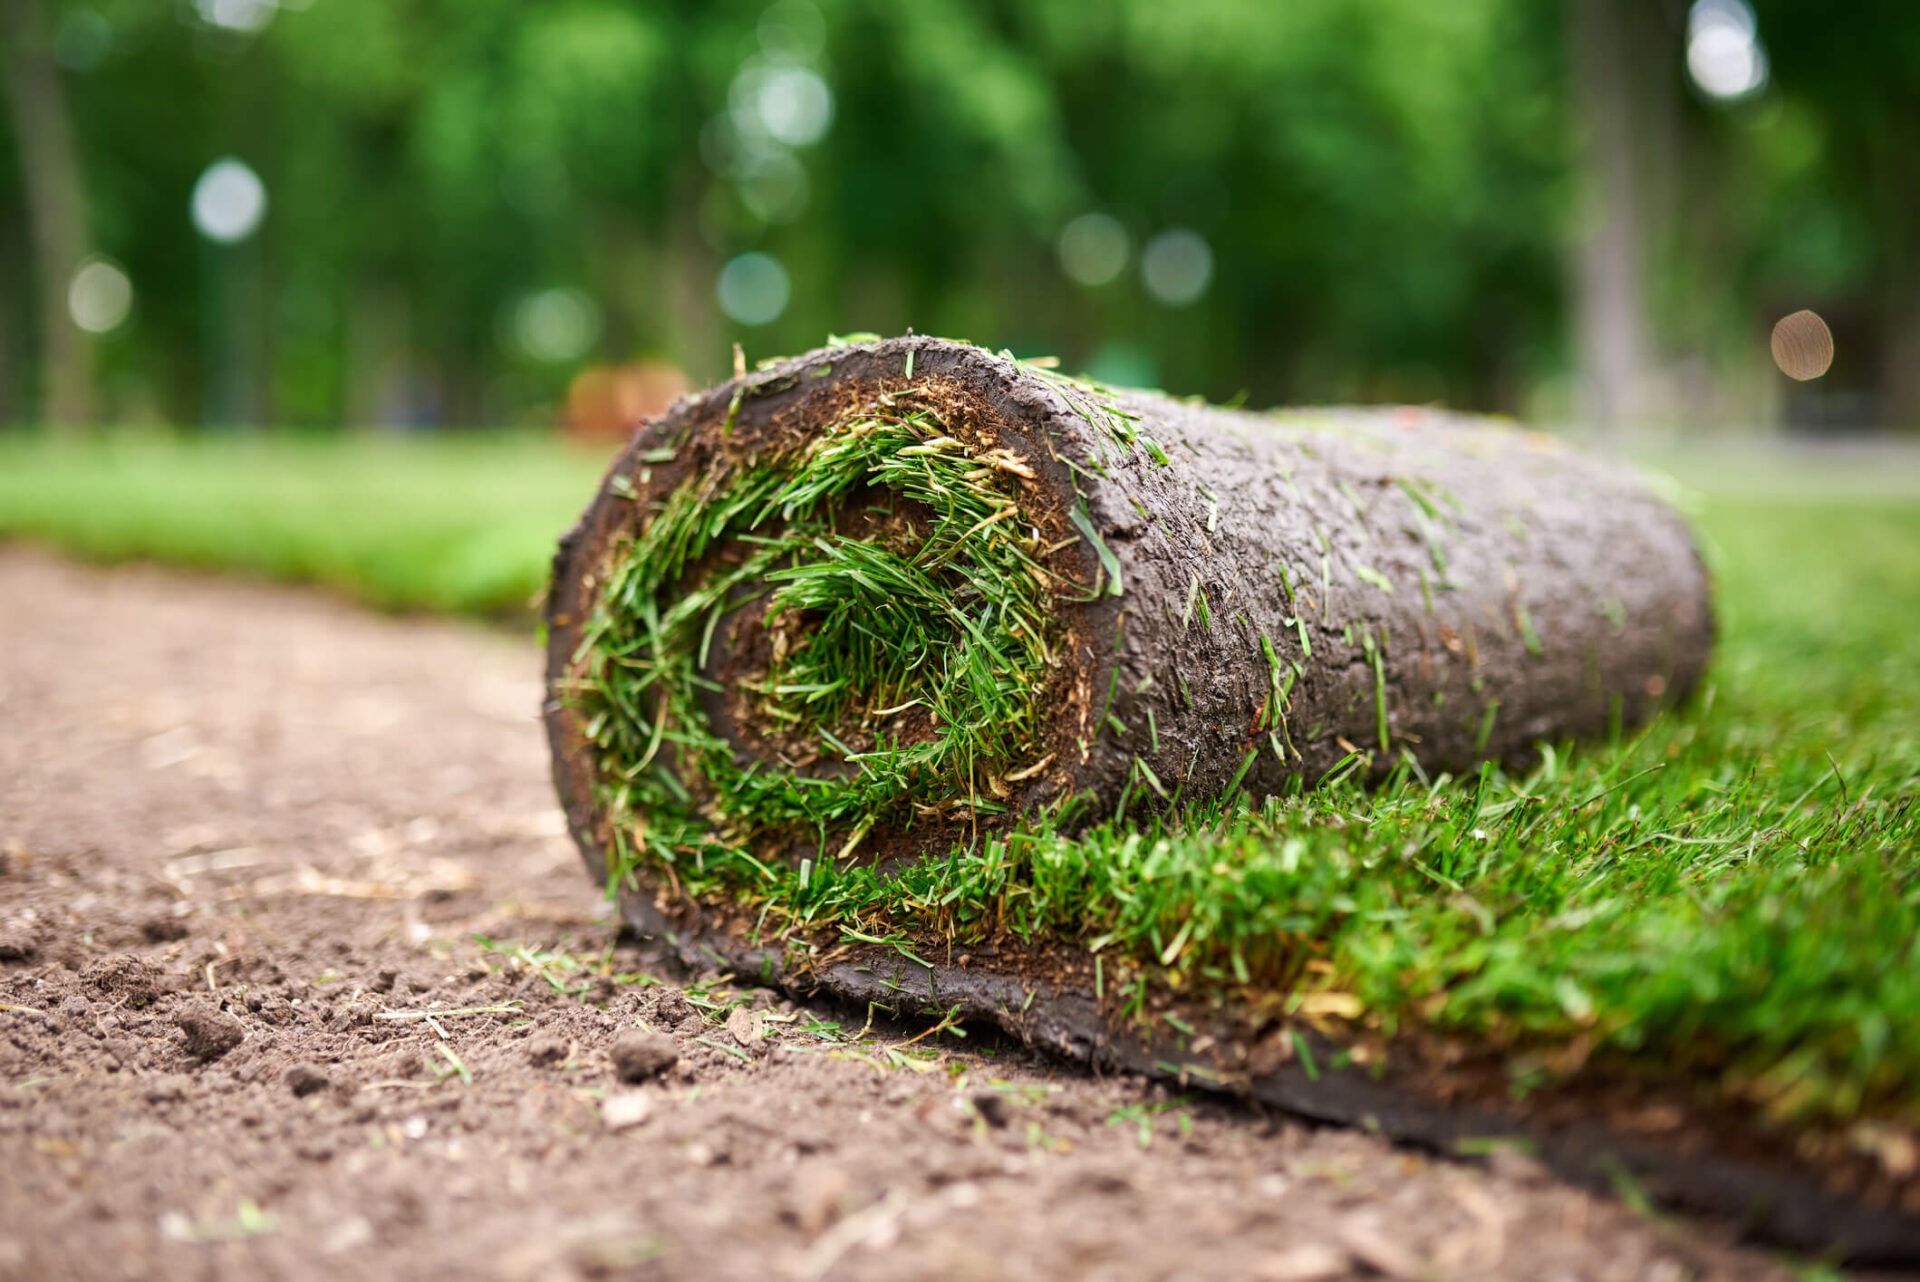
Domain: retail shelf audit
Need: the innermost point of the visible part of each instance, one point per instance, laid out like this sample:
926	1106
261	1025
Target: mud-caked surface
251	843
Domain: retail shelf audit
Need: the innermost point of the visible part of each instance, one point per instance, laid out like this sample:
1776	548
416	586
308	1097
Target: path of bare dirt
248	837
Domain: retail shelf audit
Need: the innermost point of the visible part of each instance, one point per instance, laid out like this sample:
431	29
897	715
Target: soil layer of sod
866	669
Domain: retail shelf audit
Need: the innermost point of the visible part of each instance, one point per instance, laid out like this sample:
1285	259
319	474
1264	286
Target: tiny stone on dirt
745	1025
626	1110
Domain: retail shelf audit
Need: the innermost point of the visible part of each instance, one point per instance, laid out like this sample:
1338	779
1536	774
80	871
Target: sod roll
889	596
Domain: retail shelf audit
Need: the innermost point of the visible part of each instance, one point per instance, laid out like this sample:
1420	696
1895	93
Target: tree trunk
56	210
1615	348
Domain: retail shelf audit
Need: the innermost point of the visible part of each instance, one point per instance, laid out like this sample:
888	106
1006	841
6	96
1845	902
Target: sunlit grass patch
462	524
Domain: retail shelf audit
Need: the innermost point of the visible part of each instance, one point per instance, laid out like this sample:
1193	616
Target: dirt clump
209	1033
547	1049
130	979
639	1056
305	1079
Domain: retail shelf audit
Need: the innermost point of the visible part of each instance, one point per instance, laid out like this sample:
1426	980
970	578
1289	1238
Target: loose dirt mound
248	838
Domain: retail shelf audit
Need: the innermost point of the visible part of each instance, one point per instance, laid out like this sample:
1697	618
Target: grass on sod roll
460	523
1732	894
910	649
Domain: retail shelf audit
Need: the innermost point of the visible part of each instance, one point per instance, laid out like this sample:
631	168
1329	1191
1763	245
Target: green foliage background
1390	189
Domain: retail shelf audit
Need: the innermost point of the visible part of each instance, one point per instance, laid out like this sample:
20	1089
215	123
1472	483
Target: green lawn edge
459	523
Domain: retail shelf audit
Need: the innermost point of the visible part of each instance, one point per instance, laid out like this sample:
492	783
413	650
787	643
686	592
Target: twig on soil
509	1008
213	987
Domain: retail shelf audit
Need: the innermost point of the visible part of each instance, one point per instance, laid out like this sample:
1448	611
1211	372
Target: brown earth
248	838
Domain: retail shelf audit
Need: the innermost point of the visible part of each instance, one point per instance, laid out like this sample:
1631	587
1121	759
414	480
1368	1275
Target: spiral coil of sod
866	607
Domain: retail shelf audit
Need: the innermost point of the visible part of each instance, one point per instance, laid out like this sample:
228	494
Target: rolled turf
845	650
880	598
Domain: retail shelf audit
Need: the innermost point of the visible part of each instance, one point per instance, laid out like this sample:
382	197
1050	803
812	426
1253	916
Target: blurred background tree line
467	212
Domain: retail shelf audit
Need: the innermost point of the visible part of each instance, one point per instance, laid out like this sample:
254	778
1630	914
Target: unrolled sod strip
884	597
833	634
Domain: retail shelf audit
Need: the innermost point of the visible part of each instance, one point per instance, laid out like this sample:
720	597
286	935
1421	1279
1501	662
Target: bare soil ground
248	837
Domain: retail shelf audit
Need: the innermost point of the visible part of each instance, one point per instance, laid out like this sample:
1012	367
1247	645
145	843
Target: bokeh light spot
229	200
1177	266
1093	249
753	288
1802	346
786	104
100	296
246	16
556	325
1724	54
795	105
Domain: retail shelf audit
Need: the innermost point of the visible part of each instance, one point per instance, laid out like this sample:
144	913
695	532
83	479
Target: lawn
464	524
1732	894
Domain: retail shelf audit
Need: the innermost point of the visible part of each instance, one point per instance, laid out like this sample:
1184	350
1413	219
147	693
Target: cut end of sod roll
844	624
871	603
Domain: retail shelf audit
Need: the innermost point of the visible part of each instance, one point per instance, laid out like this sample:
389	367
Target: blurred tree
1623	68
470	200
56	202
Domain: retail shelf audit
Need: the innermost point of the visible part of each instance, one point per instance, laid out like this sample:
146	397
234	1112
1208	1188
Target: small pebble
745	1026
626	1110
